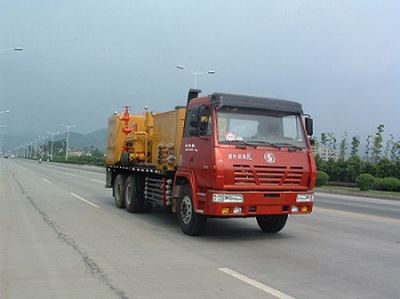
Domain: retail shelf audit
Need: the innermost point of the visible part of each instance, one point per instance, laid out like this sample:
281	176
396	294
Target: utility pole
52	144
68	127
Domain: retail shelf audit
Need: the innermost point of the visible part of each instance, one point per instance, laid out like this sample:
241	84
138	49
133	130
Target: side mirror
203	125
309	126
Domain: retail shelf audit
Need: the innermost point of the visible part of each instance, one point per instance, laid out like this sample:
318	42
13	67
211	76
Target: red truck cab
244	156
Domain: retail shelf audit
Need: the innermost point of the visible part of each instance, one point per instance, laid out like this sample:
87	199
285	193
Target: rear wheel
192	224
272	223
134	200
119	191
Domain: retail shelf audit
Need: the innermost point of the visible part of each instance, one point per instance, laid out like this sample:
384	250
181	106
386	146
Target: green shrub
322	178
365	181
388	184
378	183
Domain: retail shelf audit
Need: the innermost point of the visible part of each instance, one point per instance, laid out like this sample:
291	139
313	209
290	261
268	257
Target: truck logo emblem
269	158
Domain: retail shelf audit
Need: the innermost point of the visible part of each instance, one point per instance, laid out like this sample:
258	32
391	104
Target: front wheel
192	224
272	223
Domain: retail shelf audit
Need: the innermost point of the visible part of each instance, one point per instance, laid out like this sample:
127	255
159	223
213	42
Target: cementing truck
221	155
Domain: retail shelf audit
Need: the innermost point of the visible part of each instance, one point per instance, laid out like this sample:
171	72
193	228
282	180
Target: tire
192	224
272	223
133	199
119	191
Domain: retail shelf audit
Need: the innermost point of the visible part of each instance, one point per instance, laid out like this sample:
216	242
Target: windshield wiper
290	146
239	142
263	142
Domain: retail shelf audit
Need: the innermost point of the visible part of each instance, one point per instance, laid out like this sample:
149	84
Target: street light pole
40	147
12	49
52	143
2	137
31	151
43	138
67	145
195	73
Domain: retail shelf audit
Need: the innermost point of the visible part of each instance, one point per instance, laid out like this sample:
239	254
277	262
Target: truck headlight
304	197
218	197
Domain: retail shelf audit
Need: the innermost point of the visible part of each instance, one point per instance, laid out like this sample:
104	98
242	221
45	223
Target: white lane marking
355	214
256	284
85	200
97	181
357	198
68	173
47	181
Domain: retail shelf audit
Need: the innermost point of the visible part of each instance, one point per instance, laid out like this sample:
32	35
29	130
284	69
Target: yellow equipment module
152	139
117	138
167	137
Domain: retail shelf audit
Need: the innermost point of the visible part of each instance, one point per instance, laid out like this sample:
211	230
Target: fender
190	177
313	170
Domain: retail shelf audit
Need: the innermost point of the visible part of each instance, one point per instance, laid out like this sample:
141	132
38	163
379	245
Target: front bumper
255	203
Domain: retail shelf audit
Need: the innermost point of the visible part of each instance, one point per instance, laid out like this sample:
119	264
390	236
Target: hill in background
96	139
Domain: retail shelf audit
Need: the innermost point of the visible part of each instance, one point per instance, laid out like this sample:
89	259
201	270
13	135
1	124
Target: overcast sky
85	59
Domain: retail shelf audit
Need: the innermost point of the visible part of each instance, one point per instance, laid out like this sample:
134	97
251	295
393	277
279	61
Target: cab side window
198	121
191	116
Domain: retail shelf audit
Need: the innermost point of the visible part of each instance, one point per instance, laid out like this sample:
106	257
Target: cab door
198	147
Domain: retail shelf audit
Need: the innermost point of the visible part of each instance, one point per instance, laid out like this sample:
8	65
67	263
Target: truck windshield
250	126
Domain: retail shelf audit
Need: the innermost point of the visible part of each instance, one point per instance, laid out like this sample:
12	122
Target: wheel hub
186	209
128	195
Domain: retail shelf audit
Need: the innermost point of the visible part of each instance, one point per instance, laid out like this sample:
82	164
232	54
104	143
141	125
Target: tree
386	168
324	139
389	146
353	168
343	147
331	144
368	167
355	146
377	145
381	159
321	164
368	147
395	151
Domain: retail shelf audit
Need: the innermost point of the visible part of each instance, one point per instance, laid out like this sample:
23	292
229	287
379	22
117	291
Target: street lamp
40	147
195	73
37	146
12	49
32	150
42	140
2	137
68	127
52	134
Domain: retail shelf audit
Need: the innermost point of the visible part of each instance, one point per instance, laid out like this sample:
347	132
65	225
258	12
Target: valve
125	118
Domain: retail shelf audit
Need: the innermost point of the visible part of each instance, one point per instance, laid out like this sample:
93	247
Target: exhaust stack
192	94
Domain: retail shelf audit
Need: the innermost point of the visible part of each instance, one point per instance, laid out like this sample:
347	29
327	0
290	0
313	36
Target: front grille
268	175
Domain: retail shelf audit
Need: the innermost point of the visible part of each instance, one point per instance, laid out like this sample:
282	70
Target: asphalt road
62	237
